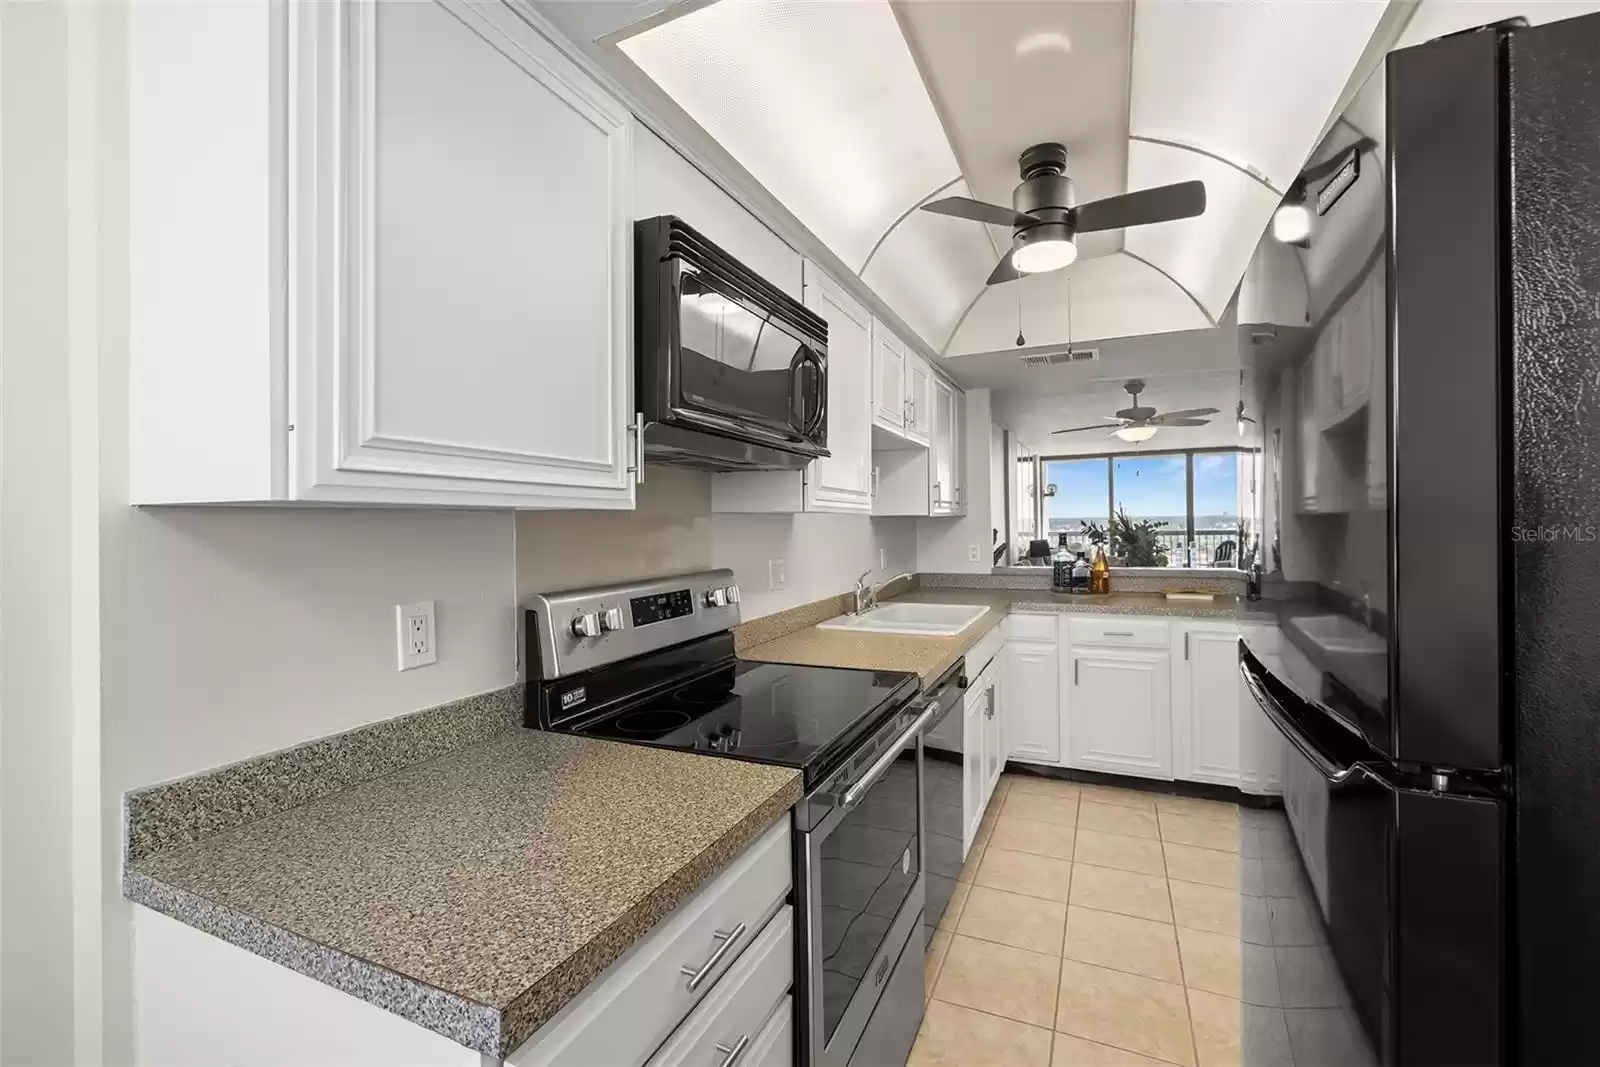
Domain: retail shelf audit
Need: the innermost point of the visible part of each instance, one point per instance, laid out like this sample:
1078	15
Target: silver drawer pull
698	975
1118	633
731	1053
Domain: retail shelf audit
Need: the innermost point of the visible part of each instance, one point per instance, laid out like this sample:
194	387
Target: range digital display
661	606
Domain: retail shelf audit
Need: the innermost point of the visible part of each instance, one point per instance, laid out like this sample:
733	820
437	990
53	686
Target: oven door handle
1335	774
854	794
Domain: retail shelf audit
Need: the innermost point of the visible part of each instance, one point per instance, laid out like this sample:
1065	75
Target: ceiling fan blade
1246	418
1075	429
1164	203
1003	271
1181	422
966	208
1185	413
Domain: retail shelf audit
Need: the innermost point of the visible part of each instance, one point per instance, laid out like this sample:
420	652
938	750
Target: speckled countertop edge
175	880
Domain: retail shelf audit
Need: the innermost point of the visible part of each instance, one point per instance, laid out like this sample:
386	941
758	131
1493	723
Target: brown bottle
1100	573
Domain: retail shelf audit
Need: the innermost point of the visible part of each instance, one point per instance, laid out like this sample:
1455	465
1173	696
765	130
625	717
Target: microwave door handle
803	358
1328	768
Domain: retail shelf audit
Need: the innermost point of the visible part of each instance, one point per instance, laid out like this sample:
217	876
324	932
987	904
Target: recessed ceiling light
1044	41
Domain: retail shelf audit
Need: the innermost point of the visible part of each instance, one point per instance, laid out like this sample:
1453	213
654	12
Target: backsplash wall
673	530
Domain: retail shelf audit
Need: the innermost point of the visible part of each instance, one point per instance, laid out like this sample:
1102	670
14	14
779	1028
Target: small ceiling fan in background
1239	417
1044	221
1138	423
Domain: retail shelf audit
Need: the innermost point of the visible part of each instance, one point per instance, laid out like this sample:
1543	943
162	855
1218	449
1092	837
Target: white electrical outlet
419	639
972	553
776	577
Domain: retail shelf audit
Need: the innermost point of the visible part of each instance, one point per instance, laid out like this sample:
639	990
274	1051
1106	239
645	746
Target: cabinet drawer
642	997
1118	630
1031	626
736	1013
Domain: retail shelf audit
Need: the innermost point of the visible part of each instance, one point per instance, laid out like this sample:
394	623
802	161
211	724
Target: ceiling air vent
1076	355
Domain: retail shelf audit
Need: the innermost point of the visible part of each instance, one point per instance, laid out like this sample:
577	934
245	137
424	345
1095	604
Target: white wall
674	530
145	644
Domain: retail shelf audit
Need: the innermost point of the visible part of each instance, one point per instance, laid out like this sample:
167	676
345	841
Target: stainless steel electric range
653	663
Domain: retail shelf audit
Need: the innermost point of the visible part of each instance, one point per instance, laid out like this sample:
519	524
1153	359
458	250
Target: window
1081	494
1205	499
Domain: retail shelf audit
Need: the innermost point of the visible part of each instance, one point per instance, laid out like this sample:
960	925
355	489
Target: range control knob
586	625
716	598
732	593
611	619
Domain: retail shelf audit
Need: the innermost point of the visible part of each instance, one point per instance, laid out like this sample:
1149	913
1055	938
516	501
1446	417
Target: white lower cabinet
1119	711
983	747
1206	737
1032	689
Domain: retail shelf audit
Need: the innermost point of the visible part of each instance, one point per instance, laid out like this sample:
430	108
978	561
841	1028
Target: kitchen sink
1336	633
915	620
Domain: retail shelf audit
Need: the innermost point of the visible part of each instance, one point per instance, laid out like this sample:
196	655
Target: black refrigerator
1437	668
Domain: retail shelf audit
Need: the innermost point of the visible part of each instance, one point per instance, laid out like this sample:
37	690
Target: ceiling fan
1138	423
1044	219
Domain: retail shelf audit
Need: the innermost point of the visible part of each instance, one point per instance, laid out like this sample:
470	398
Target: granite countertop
929	657
477	893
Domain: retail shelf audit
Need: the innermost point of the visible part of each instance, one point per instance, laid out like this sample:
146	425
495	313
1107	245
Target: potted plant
1133	543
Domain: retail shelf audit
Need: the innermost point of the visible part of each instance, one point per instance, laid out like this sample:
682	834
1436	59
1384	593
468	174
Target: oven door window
870	863
738	363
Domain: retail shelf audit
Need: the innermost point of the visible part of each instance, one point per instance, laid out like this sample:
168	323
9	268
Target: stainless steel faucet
867	595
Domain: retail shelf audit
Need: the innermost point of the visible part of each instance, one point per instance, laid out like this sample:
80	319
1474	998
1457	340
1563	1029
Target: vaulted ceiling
852	113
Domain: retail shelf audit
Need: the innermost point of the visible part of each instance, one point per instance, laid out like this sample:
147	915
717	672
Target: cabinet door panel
889	405
994	729
840	481
1033	705
481	334
1206	716
1119	709
943	448
972	767
919	398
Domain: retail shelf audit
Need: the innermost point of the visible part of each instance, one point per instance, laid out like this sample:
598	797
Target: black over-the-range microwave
732	372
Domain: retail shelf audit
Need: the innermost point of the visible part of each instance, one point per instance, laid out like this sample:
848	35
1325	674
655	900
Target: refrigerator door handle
1325	766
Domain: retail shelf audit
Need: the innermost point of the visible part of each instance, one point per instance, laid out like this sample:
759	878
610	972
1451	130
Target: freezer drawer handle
696	975
1280	718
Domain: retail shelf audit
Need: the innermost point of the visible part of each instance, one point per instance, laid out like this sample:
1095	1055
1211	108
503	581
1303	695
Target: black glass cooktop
788	714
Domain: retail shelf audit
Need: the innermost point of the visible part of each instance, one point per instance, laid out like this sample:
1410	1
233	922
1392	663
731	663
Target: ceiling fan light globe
1135	434
1038	257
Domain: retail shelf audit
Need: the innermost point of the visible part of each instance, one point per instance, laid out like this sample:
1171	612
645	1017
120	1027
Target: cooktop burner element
651	722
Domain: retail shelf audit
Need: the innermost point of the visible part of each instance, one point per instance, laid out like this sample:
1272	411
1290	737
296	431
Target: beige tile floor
1093	926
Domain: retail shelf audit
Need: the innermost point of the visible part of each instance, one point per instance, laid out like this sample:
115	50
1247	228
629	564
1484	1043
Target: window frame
1111	477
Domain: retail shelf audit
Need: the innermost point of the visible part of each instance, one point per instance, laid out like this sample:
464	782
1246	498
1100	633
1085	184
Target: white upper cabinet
383	256
946	449
919	399
842	480
890	409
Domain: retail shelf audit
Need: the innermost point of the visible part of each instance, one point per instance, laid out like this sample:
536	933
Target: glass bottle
1100	574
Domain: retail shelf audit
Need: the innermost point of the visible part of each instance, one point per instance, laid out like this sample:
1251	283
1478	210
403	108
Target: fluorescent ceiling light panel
1251	81
820	102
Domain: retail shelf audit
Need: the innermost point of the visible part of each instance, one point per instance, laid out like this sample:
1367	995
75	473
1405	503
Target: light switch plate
777	576
883	559
972	553
417	635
